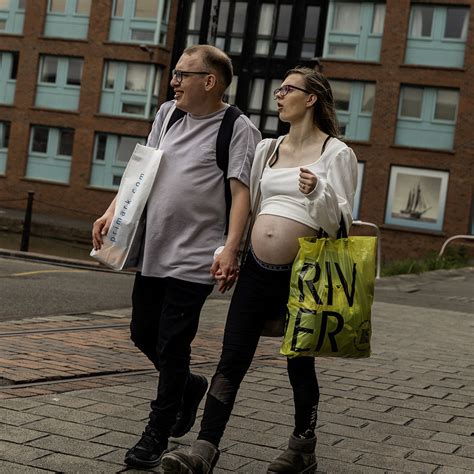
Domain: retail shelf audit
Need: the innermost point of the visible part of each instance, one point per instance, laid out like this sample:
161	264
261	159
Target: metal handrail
379	244
468	237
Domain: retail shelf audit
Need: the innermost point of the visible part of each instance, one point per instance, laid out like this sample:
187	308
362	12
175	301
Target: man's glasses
180	74
283	90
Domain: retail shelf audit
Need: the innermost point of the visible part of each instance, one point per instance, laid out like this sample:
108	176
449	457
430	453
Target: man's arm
102	224
226	265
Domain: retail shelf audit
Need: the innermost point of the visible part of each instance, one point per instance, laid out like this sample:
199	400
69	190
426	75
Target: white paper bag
121	245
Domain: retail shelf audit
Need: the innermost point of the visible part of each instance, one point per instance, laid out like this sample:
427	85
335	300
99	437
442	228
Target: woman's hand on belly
275	238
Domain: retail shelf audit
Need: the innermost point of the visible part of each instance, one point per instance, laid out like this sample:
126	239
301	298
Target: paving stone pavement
408	408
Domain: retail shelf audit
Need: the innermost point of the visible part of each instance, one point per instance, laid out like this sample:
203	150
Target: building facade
80	82
79	86
402	76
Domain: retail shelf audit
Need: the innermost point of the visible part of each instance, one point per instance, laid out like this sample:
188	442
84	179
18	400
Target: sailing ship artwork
416	197
416	205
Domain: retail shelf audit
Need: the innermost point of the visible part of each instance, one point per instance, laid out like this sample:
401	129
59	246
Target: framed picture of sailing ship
416	198
360	179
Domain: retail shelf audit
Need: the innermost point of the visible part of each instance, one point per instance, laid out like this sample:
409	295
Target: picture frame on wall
360	180
416	198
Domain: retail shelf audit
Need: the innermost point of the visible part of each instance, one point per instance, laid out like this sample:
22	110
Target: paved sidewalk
409	408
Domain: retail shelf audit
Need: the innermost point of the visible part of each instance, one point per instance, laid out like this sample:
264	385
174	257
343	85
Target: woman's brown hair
324	115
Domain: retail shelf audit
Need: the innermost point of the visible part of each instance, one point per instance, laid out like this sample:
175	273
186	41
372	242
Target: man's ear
211	81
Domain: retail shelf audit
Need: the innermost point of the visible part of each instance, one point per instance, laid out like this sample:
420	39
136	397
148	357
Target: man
186	222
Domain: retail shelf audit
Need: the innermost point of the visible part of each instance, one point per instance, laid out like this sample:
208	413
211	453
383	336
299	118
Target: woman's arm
334	195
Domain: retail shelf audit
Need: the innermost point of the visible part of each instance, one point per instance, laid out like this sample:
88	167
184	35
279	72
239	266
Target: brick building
401	72
79	85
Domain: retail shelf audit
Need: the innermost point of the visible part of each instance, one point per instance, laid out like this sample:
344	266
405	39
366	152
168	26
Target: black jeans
165	320
261	293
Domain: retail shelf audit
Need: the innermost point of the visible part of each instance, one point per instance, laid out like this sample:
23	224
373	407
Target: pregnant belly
275	238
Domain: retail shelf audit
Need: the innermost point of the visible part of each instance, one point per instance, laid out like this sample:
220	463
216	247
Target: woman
308	182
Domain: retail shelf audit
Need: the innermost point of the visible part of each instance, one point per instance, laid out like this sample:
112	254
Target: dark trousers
260	294
165	320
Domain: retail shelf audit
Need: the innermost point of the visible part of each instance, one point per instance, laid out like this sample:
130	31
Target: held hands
225	269
100	228
307	181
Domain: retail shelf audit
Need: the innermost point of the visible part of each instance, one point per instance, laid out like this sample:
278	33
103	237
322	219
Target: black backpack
222	148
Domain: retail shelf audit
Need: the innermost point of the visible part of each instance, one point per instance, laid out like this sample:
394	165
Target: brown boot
199	458
298	458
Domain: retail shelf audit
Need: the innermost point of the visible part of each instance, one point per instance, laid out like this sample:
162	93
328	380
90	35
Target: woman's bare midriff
275	238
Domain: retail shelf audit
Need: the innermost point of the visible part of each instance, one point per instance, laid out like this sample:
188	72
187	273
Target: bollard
25	236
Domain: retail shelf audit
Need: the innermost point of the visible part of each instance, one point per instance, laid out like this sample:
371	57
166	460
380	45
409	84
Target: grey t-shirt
186	209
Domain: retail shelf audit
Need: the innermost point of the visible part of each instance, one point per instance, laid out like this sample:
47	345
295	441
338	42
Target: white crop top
281	195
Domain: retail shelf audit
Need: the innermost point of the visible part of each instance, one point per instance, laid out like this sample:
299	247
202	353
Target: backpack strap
224	137
175	116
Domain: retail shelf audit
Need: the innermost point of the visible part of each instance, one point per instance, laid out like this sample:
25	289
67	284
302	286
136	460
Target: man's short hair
214	59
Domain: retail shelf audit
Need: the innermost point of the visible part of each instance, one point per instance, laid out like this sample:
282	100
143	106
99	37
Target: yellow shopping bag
331	295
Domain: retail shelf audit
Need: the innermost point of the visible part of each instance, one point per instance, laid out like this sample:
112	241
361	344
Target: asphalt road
29	289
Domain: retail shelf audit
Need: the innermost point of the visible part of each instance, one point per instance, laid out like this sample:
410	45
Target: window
354	106
12	15
66	138
40	139
230	26
59	83
49	69
446	105
230	93
355	30
4	134
136	77
111	155
67	19
262	108
8	73
194	23
57	6
144	21
74	72
437	35
130	89
50	154
146	8
4	139
310	32
83	7
273	32
411	100
427	117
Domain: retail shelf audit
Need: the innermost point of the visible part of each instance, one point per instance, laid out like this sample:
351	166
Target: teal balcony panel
362	127
435	53
343	46
53	97
357	127
374	46
125	30
125	103
436	136
11	22
63	26
107	103
7	92
48	169
102	175
3	161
